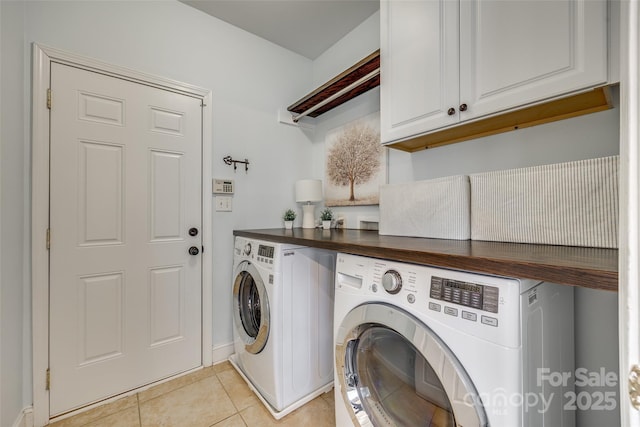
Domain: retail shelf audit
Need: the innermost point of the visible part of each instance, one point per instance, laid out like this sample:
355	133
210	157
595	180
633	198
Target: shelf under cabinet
591	101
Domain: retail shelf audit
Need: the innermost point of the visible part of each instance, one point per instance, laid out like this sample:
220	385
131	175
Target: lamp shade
308	190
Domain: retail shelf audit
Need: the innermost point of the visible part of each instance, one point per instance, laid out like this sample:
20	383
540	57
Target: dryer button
411	298
451	311
487	320
469	316
434	306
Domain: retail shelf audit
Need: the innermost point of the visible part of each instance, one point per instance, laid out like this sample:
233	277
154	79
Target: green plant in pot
326	216
288	217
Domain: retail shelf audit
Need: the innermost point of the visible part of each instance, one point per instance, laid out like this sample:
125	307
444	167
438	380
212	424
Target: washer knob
392	281
247	249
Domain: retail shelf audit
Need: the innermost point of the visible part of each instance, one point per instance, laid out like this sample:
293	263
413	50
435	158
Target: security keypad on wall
222	186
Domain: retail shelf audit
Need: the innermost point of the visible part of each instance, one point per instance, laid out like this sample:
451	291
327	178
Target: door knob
193	231
463	107
193	250
451	111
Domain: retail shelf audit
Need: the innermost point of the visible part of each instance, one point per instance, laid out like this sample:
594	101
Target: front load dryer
283	321
418	345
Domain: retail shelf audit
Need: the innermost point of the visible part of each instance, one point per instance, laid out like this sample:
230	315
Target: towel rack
363	76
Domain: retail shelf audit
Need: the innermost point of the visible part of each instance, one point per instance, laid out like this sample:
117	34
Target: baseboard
222	352
25	419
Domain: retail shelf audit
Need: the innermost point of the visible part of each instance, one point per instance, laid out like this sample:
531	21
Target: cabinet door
419	66
521	51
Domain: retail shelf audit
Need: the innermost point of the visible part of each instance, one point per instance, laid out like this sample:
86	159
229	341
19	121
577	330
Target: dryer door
251	307
394	371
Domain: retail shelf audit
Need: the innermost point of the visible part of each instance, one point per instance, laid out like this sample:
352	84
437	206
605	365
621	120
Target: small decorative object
228	160
326	215
289	216
308	192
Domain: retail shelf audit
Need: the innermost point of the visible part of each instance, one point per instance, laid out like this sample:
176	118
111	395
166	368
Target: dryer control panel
481	297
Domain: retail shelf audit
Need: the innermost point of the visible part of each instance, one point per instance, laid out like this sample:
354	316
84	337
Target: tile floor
215	396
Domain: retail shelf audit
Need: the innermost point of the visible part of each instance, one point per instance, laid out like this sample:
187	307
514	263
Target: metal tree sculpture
355	157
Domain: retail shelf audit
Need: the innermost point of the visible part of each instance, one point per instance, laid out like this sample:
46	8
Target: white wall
14	167
596	314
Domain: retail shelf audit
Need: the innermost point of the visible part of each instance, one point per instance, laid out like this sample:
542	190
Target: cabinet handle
463	107
451	111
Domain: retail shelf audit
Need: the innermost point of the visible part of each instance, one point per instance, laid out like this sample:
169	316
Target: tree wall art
356	163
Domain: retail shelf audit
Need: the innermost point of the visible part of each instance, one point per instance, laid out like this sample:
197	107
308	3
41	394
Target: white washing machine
417	345
283	321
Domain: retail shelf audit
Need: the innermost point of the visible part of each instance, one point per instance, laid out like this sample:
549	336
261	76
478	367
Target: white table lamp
308	191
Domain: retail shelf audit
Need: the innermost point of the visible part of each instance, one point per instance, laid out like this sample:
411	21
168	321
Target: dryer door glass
396	385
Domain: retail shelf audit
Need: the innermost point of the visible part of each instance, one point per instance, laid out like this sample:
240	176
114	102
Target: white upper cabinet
444	61
516	52
419	78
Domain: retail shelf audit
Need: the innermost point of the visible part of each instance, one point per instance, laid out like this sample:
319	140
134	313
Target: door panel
166	197
419	67
101	191
516	52
125	295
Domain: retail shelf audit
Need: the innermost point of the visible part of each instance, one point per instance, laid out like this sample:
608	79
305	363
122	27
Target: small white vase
288	225
326	224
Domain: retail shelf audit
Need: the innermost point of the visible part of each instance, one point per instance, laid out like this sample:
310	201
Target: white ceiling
308	27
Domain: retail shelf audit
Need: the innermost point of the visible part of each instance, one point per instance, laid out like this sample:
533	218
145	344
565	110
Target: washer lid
394	370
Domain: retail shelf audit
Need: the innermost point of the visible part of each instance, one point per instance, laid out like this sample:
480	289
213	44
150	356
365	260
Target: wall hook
229	160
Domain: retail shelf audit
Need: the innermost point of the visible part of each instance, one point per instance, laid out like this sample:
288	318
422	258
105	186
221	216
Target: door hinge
48	380
634	386
48	238
49	99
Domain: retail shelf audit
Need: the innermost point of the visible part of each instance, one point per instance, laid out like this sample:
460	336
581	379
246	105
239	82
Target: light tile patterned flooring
215	396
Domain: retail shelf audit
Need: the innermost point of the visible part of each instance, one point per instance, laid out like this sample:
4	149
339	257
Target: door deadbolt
193	250
193	231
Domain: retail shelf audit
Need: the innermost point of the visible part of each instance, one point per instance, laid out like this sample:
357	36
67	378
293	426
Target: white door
125	190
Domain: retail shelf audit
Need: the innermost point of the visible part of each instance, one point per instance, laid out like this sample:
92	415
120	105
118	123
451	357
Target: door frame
42	57
629	253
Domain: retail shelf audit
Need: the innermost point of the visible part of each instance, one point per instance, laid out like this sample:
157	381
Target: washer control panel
481	297
257	252
265	254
